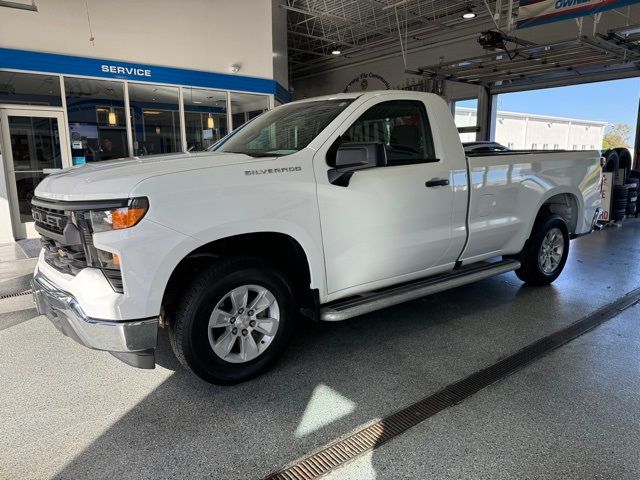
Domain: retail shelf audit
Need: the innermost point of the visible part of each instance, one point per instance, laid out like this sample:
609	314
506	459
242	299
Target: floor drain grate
395	424
18	294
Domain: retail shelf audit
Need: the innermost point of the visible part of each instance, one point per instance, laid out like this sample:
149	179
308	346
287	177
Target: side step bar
352	307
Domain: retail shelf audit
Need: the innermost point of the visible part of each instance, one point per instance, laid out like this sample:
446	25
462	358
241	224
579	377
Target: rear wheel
546	252
234	321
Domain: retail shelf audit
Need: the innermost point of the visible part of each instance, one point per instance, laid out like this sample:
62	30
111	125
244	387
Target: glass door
34	143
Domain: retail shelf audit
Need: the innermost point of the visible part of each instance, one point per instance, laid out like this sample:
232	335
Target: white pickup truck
329	207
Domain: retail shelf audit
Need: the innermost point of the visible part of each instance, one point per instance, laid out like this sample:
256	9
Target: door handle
437	182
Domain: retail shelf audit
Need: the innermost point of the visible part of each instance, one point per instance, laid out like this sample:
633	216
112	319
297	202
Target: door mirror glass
360	155
354	156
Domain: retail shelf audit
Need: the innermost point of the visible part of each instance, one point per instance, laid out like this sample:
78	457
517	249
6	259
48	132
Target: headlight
119	218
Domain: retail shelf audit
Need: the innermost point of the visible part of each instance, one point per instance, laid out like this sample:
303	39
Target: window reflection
245	106
30	89
205	116
155	119
97	123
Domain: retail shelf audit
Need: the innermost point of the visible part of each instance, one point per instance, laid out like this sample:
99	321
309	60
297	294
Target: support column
486	115
636	146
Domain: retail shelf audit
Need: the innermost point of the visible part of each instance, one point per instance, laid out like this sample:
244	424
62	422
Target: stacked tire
632	198
619	202
635	174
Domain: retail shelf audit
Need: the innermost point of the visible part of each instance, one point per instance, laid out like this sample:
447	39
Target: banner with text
538	12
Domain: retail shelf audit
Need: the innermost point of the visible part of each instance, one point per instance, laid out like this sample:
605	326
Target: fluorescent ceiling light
336	52
469	14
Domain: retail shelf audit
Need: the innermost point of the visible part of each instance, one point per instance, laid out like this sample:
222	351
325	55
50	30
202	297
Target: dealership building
220	280
527	131
69	72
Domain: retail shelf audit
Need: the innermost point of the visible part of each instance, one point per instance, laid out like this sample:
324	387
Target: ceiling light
197	101
469	13
210	124
336	52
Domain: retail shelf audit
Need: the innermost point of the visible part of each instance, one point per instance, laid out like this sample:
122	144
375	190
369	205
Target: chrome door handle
437	182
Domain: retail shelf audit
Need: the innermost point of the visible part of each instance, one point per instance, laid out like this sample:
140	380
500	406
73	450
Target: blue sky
615	101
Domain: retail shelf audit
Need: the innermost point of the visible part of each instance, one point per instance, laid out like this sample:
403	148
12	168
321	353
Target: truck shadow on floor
333	379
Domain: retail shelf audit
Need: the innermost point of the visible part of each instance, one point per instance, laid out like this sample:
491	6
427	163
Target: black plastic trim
80	205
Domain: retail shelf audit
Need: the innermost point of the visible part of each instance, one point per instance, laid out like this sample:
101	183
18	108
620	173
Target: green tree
617	135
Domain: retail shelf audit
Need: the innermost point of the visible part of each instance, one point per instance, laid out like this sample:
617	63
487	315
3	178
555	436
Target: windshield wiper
258	154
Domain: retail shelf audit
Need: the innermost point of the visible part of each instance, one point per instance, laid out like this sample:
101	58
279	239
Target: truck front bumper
132	341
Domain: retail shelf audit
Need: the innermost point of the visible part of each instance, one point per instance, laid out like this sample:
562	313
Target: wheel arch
567	204
280	249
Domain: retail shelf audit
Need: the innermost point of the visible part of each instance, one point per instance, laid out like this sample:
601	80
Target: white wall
390	69
522	131
205	35
280	53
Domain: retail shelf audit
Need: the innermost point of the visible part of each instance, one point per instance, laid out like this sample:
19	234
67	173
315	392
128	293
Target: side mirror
354	156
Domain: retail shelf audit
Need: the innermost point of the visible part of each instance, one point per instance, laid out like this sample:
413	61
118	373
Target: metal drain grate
19	294
395	424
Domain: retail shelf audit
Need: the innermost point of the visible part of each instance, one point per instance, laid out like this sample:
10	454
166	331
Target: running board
352	307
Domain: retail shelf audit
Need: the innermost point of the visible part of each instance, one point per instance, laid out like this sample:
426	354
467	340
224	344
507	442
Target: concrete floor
68	412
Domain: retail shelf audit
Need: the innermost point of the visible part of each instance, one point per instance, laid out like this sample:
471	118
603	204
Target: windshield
283	130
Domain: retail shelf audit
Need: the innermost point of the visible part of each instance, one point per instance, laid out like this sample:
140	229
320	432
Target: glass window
155	119
30	89
34	145
401	125
466	116
205	117
245	106
97	122
283	130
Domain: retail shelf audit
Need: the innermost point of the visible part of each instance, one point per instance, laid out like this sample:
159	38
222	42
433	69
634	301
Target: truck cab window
401	125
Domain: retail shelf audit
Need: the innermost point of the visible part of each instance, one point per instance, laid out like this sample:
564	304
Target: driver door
386	225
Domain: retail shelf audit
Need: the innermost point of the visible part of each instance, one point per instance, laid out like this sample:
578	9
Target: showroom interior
492	379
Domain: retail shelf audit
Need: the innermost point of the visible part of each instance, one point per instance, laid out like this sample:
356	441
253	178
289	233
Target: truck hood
116	178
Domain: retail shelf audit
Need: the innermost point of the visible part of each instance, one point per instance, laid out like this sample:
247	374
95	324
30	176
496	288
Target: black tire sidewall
198	304
530	272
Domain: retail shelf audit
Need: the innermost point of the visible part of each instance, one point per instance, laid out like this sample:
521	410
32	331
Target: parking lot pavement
68	412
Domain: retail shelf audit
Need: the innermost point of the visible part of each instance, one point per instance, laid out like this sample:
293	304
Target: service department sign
538	12
129	71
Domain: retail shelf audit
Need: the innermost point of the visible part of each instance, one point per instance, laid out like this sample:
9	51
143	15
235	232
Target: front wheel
234	321
546	252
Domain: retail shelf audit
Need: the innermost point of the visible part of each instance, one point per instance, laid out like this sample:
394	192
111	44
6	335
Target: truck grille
63	256
50	219
68	259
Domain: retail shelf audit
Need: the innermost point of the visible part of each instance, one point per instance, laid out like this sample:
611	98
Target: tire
531	271
618	215
193	340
